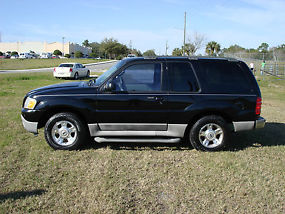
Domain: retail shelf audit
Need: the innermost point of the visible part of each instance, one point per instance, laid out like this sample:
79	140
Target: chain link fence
274	64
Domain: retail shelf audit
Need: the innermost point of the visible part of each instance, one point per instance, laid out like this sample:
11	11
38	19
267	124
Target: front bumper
249	125
30	126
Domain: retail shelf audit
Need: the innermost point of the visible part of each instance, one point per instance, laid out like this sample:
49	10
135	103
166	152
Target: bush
78	54
67	55
149	53
93	55
120	57
57	52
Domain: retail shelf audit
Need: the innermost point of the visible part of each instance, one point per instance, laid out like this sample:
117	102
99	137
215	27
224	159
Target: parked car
25	56
163	99
71	70
14	57
131	55
45	55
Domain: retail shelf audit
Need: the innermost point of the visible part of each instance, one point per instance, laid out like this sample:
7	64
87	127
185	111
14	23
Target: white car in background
71	70
45	55
25	56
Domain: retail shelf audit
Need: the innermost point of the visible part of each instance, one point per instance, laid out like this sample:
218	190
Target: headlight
30	103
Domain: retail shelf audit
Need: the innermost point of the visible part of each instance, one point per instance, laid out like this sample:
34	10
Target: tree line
112	49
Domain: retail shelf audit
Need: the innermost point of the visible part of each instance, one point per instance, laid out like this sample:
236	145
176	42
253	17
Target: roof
179	58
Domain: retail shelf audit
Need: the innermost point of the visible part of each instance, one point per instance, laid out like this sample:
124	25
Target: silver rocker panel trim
135	140
173	130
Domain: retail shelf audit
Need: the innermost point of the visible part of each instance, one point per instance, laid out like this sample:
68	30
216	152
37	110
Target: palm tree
213	48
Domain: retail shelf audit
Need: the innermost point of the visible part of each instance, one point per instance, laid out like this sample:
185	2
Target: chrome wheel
211	135
64	133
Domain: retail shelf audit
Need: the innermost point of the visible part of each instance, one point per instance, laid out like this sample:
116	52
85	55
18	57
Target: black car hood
58	86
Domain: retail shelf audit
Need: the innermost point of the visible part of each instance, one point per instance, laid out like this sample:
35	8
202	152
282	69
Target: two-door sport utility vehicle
162	99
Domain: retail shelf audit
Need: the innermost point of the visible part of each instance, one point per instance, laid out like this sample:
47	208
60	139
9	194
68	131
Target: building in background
43	47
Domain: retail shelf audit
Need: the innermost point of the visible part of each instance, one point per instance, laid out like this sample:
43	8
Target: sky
148	24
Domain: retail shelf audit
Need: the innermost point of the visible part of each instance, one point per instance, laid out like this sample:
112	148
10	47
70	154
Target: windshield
66	65
108	73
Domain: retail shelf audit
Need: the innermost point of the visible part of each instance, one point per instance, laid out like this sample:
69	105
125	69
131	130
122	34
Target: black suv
162	99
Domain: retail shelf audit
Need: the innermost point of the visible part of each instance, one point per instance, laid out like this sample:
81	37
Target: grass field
18	64
140	178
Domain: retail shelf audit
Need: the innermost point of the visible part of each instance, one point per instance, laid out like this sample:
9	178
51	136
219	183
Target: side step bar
136	140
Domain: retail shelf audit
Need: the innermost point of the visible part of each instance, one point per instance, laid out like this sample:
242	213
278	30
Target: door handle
156	99
159	98
150	98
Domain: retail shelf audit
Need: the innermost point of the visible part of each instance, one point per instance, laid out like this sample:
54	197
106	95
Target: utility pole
166	48
0	37
131	45
184	33
63	45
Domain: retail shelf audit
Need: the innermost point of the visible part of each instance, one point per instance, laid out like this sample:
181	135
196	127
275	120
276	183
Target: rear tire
88	74
210	133
65	131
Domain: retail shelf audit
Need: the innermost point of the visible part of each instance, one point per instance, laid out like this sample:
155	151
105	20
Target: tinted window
108	73
223	77
66	65
182	78
140	78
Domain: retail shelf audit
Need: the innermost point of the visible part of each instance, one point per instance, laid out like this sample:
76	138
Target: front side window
139	78
181	77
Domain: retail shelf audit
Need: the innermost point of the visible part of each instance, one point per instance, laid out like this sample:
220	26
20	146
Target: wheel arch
52	111
198	116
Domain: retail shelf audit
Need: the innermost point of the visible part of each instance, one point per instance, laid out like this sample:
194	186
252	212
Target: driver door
137	101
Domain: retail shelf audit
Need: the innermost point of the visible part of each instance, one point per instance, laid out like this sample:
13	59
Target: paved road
92	68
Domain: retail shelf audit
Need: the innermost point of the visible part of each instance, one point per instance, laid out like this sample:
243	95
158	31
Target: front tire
76	76
210	133
65	131
88	74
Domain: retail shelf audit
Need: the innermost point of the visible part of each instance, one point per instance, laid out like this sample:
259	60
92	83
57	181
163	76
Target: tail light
53	69
258	106
70	70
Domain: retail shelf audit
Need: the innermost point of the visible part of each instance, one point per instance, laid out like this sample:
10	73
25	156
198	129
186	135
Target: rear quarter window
222	76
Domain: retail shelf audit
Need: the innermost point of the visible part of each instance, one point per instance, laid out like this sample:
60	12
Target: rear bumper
30	126
249	125
66	75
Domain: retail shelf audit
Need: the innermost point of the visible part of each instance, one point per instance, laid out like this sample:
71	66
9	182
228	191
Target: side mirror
109	87
84	66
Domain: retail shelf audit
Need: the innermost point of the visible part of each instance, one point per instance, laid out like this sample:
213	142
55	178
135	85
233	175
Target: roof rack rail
150	57
193	57
232	60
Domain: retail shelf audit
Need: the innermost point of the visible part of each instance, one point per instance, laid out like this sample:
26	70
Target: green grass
140	178
18	64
